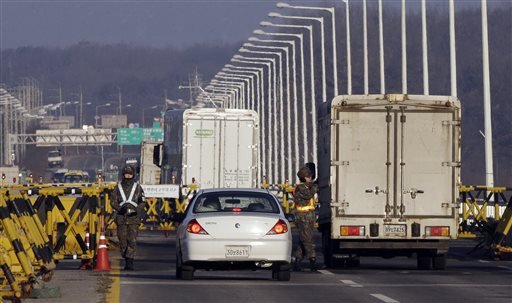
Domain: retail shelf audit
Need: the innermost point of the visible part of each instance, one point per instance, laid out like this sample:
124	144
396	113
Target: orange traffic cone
102	262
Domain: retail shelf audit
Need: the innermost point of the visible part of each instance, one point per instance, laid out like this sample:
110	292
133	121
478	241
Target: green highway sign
135	136
153	134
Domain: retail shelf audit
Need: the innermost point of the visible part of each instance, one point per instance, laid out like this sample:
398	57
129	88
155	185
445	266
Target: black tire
187	273
424	262
353	262
179	269
283	275
327	248
439	262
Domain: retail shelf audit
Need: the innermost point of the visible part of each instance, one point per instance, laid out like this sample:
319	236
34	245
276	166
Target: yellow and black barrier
158	214
26	254
486	215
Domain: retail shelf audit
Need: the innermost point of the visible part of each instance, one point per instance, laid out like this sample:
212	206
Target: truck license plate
237	251
395	230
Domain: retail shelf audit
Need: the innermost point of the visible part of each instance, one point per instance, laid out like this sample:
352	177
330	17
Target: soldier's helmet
128	169
303	173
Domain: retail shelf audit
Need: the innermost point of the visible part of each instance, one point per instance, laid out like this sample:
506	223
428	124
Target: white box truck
149	172
388	174
212	147
10	175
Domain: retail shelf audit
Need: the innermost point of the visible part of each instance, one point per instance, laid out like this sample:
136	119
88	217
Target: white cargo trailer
212	147
149	172
10	175
389	170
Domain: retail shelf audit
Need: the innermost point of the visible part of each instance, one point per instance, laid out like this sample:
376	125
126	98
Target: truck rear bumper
406	245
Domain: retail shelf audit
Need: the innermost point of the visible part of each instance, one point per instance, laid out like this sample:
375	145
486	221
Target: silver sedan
234	229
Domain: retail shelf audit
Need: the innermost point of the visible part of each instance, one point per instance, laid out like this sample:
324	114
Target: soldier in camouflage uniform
128	201
304	194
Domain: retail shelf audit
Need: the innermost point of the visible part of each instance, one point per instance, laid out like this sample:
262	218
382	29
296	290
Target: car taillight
194	227
437	231
352	230
279	228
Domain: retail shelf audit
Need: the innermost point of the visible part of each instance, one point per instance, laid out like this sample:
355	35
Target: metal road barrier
486	215
26	253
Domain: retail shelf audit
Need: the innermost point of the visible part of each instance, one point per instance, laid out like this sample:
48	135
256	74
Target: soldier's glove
122	211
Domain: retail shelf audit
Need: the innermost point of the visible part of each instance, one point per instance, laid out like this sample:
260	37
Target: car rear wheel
281	273
178	265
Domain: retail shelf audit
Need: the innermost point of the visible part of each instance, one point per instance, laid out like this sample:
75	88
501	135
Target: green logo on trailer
204	132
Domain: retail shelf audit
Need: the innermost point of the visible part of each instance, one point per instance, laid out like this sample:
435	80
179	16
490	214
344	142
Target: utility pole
81	122
120	100
61	111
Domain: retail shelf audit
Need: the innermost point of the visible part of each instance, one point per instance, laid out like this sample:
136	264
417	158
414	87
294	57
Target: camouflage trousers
305	223
127	235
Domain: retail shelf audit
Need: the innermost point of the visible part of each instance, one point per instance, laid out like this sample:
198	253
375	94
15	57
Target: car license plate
395	230
237	251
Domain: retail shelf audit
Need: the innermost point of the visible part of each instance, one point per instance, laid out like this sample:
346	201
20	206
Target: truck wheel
327	248
353	262
439	262
187	273
424	262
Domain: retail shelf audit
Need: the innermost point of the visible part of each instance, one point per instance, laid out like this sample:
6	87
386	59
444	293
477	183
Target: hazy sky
157	23
143	22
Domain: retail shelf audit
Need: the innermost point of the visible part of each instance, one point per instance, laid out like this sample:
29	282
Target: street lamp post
228	94
250	90
143	116
235	82
261	110
281	120
312	80
333	31
288	101
253	77
238	88
272	157
290	43
303	87
258	72
349	59
322	44
96	117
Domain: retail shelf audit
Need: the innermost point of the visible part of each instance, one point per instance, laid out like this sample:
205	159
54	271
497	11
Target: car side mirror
290	217
177	217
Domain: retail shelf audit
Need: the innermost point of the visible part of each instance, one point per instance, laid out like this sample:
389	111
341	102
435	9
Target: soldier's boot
128	264
296	265
313	266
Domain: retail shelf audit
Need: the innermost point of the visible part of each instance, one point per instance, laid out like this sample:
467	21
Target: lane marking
440	285
384	298
351	283
504	267
483	261
325	272
222	281
114	294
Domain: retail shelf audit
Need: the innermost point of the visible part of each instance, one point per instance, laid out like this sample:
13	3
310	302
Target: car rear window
245	202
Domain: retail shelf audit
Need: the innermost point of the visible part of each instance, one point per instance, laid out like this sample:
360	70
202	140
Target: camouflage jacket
304	192
138	197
